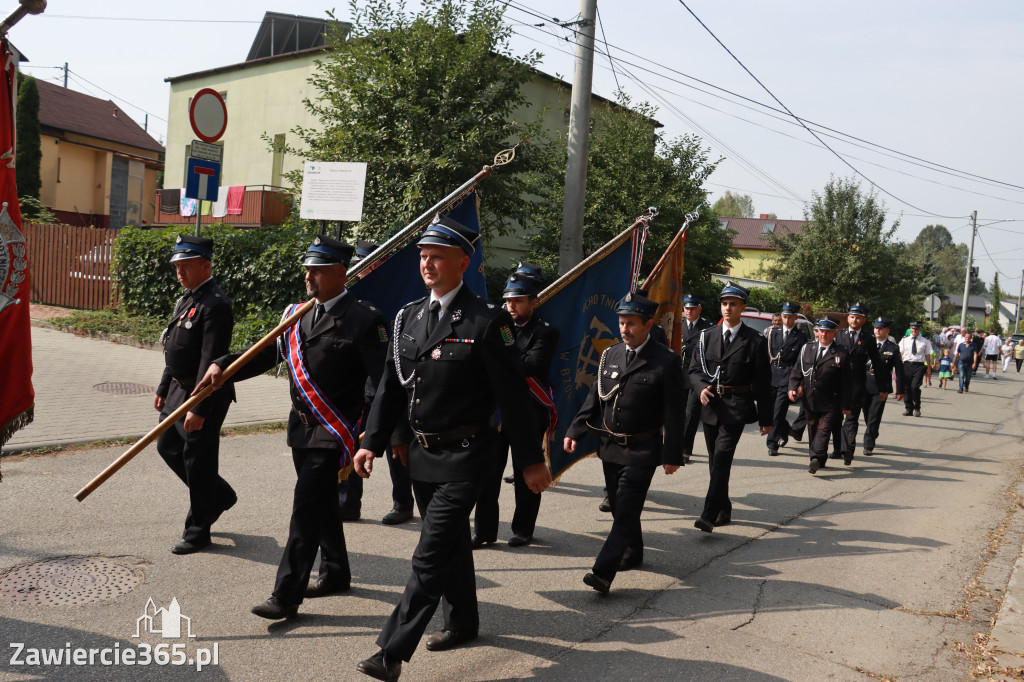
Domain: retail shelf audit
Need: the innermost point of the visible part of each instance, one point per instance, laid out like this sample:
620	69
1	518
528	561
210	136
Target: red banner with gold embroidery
17	397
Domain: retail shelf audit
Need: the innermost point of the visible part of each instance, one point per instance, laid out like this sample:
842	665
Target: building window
768	228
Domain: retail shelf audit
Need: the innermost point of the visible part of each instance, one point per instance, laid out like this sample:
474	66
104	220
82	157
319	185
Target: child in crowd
945	368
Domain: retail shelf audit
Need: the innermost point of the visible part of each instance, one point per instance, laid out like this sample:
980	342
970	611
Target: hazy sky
938	80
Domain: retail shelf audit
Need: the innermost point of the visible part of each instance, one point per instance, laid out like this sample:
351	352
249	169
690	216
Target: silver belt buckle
421	438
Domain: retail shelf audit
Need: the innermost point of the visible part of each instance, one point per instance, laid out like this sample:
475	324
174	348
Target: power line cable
607	51
815	135
790	118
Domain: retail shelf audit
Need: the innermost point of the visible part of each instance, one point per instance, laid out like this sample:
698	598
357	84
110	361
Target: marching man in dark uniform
863	358
199	331
784	345
729	371
536	341
822	378
452	364
330	353
878	384
693	325
634	407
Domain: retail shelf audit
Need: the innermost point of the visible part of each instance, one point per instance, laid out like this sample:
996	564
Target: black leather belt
463	433
185	386
307	419
732	390
625	438
913	362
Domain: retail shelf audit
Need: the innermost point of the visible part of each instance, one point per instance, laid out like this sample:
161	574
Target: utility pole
570	251
65	75
970	263
1016	315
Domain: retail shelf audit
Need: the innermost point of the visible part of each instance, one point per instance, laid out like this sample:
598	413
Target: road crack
757	605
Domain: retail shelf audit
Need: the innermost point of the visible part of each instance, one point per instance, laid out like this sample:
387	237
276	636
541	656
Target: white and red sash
546	397
325	413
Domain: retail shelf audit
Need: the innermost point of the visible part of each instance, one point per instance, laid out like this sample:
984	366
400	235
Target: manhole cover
123	388
69	581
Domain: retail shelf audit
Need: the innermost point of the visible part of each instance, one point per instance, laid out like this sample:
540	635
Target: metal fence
70	266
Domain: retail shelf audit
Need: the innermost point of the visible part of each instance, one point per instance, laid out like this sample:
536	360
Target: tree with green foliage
630	168
943	260
846	253
997	301
731	205
426	100
28	145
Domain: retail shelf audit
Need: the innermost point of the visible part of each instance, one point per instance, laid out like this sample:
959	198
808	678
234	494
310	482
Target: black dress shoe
686	457
868	452
815	465
724	519
396	516
349	514
908	413
782	443
917	413
509	479
704	525
380	666
477	542
597	582
520	540
448	639
188	547
773	452
798	436
847	458
275	609
605	505
324	587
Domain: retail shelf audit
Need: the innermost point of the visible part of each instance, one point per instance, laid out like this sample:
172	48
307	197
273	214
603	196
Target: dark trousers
691	420
350	491
800	423
193	456
627	491
873	406
965	374
315	524
780	424
485	518
914	374
851	423
442	569
819	432
721	440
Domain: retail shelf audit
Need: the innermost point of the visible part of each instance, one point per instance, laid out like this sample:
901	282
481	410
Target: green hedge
259	268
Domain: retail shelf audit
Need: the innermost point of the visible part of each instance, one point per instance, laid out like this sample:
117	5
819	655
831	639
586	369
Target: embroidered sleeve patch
382	333
506	335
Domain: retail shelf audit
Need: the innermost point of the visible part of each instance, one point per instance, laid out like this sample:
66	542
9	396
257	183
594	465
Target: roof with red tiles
751	233
76	112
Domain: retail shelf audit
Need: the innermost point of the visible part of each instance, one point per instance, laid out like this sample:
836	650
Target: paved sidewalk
70	373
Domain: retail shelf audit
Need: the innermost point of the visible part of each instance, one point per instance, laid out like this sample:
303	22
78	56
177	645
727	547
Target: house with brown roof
98	166
750	239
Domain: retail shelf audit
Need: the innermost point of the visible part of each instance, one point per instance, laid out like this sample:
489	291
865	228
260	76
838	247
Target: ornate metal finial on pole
27	7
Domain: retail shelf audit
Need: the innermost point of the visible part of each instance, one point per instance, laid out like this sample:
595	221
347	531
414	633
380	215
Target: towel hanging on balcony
235	196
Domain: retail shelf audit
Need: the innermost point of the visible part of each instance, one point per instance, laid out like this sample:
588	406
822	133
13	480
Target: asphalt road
878	570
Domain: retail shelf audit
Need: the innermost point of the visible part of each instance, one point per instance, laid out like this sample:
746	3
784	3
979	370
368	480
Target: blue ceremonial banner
396	281
584	313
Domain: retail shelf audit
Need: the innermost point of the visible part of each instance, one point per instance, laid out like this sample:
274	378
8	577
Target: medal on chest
436	353
188	320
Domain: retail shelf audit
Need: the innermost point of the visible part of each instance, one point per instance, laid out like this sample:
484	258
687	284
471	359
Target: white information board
333	191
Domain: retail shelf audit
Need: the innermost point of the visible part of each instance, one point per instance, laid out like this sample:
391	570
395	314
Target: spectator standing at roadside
1006	350
1018	355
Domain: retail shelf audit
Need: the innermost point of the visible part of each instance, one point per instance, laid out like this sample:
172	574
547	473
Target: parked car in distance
759	321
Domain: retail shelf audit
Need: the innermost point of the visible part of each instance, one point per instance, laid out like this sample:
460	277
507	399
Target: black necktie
728	336
435	312
318	312
630	354
821	353
913	346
